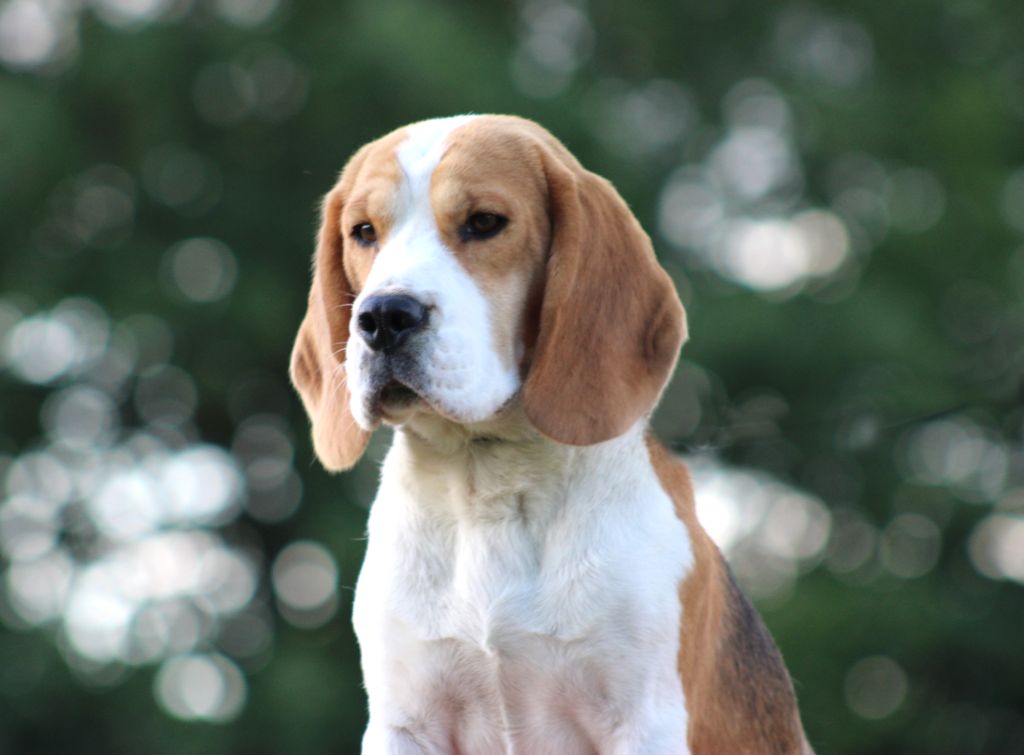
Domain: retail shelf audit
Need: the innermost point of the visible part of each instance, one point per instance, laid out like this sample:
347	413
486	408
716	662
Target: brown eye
483	225
365	234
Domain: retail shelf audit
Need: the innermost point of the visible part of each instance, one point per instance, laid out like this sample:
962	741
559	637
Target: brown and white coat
536	580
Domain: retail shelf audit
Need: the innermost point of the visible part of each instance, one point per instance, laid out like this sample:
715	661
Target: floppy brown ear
317	369
611	324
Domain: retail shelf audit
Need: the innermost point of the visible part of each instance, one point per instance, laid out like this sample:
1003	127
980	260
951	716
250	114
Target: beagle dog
536	580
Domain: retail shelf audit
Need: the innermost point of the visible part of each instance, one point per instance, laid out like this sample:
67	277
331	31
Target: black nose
386	321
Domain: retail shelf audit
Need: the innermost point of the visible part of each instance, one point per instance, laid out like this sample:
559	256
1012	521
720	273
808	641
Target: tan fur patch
491	165
739	696
371	196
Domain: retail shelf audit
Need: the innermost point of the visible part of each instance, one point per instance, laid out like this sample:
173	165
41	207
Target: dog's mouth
395	400
395	394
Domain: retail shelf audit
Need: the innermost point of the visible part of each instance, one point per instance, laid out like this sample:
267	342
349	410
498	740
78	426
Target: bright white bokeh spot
68	339
80	416
305	580
200	484
229	579
127	504
38	590
30	32
40	349
796	527
202	269
42	475
689	211
206	687
996	546
875	687
97	618
959	453
724	502
164	628
773	254
753	161
825	240
28	527
770	531
762	254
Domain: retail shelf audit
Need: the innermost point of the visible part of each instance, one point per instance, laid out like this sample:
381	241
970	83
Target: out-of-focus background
837	188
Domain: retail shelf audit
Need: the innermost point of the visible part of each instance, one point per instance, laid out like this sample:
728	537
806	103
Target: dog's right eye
482	225
365	234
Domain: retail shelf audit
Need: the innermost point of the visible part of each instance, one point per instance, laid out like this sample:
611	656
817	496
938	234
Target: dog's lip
396	393
393	400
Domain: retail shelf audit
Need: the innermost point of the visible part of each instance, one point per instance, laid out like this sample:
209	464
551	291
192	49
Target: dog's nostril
367	323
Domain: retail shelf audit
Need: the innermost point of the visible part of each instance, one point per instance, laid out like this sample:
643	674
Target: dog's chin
395	395
395	402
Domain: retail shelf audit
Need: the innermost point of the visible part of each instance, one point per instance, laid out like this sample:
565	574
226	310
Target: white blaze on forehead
462	372
415	248
423	149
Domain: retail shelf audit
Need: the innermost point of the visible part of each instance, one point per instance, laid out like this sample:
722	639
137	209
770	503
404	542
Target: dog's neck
503	468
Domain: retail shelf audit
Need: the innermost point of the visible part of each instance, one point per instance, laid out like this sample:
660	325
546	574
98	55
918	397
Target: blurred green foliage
837	190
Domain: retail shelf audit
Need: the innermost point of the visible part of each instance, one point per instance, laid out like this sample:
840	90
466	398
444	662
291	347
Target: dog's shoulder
739	693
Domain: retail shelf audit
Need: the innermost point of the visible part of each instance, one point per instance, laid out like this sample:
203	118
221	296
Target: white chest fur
522	598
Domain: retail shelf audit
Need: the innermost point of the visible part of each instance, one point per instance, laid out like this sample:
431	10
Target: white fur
518	596
522	597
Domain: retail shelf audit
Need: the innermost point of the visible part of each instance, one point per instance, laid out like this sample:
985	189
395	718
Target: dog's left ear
317	364
611	323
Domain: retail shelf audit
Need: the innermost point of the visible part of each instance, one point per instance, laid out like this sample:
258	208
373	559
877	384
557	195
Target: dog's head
465	264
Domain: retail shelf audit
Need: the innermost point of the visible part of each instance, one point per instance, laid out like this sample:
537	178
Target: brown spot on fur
739	697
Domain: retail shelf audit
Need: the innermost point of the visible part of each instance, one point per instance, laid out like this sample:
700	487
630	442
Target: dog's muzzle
391	366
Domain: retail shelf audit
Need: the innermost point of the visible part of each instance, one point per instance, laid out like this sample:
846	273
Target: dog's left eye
483	225
365	234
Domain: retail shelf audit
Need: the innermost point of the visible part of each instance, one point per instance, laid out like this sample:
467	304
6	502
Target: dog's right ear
611	323
318	357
